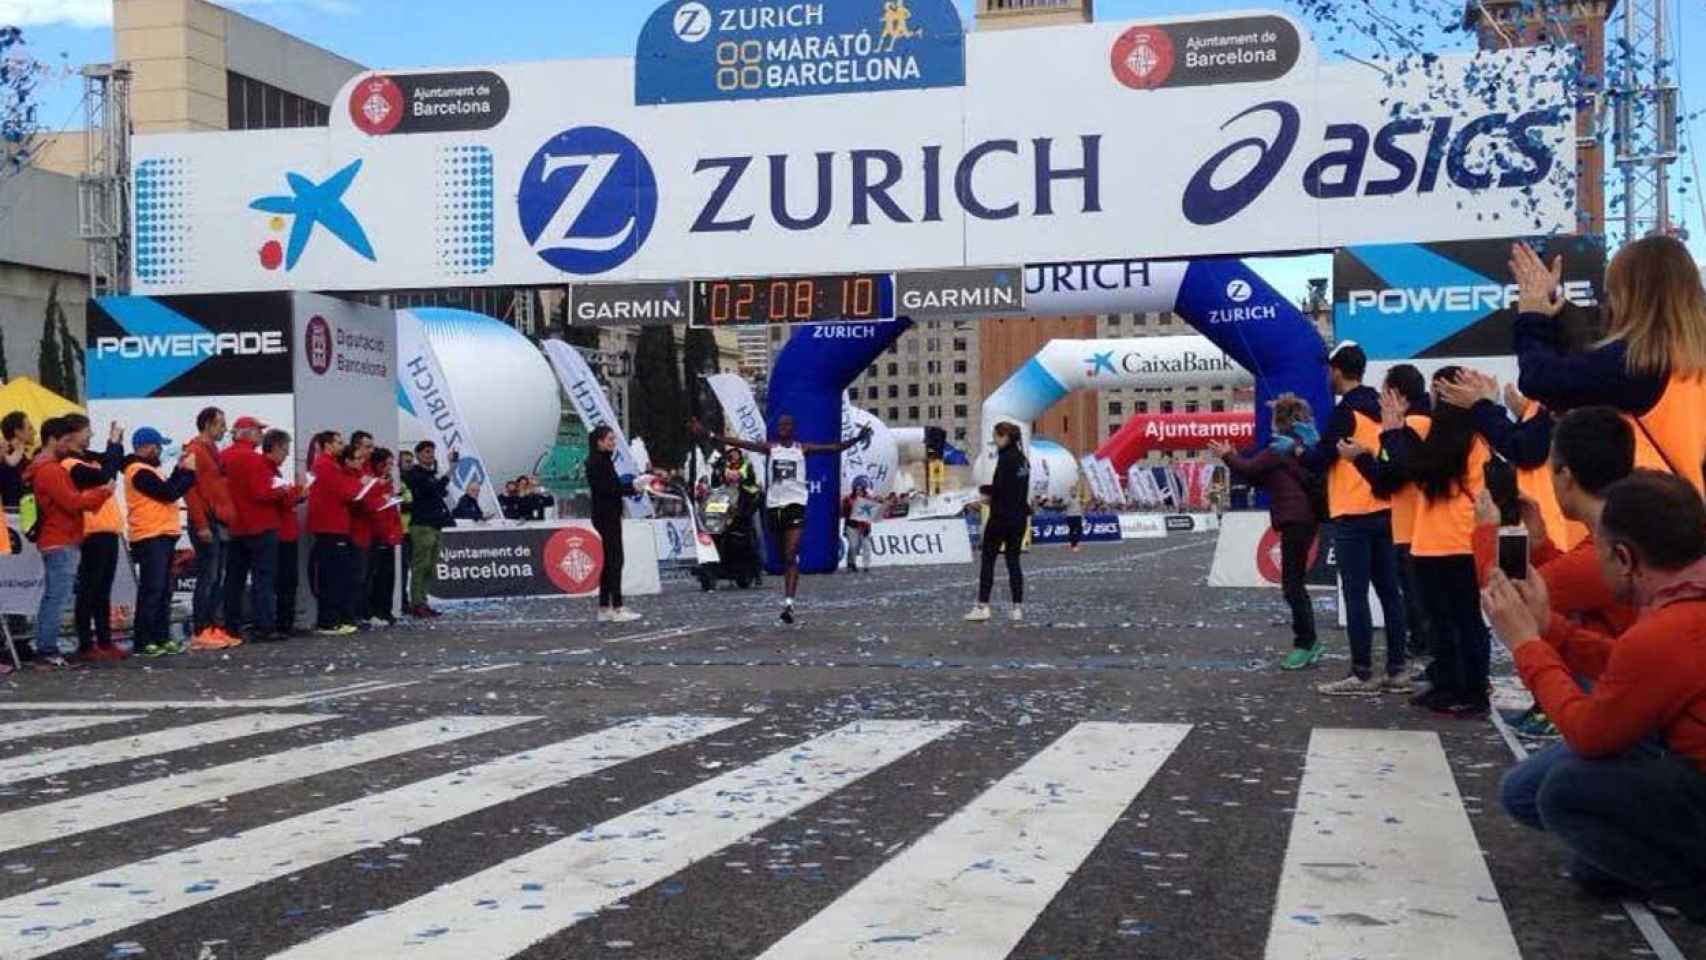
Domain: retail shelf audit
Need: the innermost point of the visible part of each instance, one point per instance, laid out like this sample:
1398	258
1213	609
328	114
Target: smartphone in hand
1513	552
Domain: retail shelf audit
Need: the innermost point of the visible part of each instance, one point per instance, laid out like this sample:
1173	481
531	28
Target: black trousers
610	580
1295	541
1074	531
251	569
1462	644
287	582
381	582
999	536
335	580
95	572
153	590
1415	612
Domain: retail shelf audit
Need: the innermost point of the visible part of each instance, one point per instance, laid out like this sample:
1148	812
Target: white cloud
99	13
76	13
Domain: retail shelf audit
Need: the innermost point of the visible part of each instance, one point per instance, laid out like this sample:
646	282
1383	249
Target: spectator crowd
1565	511
262	533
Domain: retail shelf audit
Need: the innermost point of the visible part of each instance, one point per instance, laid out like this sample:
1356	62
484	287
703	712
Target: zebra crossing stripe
1382	860
64	915
42	726
51	763
970	888
502	911
64	818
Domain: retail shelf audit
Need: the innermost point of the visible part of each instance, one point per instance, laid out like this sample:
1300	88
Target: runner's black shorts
790	517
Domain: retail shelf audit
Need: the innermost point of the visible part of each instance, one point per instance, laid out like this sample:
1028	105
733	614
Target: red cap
248	423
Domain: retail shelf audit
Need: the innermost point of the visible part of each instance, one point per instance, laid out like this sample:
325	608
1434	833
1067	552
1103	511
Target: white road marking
502	911
64	818
970	888
1382	860
652	636
49	763
64	915
25	729
493	668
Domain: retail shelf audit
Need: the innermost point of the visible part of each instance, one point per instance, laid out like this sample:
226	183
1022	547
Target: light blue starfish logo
313	203
1101	361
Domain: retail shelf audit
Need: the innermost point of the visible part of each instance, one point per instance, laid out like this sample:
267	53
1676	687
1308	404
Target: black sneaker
1433	698
787	614
1474	708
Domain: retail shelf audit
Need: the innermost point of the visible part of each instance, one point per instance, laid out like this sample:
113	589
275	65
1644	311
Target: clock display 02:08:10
773	300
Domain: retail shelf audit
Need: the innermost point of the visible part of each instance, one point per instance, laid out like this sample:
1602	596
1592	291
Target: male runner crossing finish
787	491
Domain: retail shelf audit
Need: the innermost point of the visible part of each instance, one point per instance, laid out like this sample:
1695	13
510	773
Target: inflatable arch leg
815	367
1242	319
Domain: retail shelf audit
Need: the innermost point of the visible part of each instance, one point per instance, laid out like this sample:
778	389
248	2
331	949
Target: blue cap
148	436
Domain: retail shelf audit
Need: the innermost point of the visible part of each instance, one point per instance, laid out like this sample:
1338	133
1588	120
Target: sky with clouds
69	33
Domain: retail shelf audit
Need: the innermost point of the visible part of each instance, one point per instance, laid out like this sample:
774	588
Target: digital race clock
773	300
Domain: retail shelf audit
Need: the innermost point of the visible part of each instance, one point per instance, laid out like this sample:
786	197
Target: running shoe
1302	658
1433	698
156	650
605	614
1399	684
1017	614
624	616
341	630
978	614
209	639
787	614
1351	686
51	664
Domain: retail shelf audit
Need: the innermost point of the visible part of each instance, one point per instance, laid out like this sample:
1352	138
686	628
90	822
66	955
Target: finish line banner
1135	138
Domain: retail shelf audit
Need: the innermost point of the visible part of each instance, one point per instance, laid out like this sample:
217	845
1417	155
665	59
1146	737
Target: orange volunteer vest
1677	423
1446	528
107	519
1348	492
149	517
1406	500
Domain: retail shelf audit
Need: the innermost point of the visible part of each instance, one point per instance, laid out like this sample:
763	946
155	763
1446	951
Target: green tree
698	359
61	356
657	404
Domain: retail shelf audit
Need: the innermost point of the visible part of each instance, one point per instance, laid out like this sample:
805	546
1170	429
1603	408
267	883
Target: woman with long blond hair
1652	363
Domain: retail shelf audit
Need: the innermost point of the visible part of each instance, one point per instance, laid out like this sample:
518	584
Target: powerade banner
701	50
199	346
1422	300
1018	166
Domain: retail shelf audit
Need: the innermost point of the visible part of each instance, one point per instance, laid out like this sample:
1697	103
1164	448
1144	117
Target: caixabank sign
1245	143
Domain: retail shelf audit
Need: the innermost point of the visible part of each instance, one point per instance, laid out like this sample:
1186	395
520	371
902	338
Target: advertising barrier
919	543
561	559
1142	526
21	580
1176	431
1098	528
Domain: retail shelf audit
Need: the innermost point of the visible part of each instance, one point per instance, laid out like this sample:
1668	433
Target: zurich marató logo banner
588	200
307	206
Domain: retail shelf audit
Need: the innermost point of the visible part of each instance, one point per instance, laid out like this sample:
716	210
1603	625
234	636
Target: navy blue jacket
1342	426
1564	381
1527	444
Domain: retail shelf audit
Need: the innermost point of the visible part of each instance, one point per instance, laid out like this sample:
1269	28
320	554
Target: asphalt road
1124	775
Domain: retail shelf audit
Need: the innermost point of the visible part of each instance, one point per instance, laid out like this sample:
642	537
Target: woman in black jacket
1009	494
608	493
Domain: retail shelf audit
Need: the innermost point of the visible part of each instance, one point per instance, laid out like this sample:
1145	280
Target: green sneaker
1538	726
156	650
1301	659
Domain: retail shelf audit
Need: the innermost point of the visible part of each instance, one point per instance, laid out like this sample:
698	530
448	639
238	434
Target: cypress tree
657	403
49	365
699	359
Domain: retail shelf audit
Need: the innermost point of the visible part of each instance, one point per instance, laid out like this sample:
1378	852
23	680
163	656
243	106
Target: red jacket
60	503
331	500
254	497
1649	680
211	494
385	523
289	524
